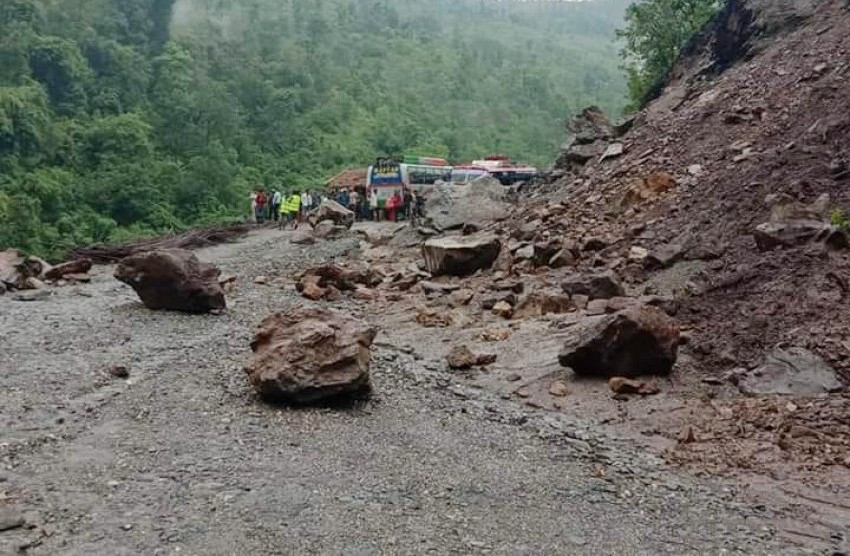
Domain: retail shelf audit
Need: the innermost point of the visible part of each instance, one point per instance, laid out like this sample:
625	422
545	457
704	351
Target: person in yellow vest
284	213
293	207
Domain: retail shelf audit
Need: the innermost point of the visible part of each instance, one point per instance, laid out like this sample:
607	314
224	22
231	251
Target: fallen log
192	239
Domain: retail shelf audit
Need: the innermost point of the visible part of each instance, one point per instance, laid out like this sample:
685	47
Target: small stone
638	254
496	335
523	393
558	389
687	435
695	170
119	371
460	357
503	309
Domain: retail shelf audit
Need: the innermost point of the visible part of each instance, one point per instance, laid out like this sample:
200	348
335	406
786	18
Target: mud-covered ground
182	456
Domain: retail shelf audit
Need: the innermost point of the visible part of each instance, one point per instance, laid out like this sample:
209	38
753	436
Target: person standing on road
393	205
253	198
306	202
407	203
353	200
262	200
294	207
274	209
373	205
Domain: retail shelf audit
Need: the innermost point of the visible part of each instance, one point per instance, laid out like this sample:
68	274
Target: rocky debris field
127	430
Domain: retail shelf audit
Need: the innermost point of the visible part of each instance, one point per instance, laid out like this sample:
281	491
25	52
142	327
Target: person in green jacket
293	207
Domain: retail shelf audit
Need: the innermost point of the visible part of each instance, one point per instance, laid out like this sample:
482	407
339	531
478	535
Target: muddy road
181	456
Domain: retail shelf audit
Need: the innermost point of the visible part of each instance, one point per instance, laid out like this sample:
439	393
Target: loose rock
789	371
173	279
307	355
461	255
597	286
639	340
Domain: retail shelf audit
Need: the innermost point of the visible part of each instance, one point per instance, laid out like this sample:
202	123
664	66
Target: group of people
402	205
274	206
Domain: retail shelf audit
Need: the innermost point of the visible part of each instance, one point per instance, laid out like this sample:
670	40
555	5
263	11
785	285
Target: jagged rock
771	235
640	340
664	256
496	335
327	229
590	125
302	237
173	279
543	302
478	203
524	253
460	357
562	258
306	355
503	309
792	371
78	266
432	318
508	285
490	301
461	297
656	184
438	287
594	244
638	254
595	286
318	282
622	385
559	389
613	151
462	255
335	212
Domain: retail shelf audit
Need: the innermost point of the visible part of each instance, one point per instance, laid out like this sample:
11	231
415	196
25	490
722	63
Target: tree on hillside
655	32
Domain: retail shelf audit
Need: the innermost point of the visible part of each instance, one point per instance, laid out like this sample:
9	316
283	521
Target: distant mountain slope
121	118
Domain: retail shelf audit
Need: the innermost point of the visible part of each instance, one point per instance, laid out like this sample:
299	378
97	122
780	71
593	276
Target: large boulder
305	355
460	255
333	211
449	207
792	371
328	229
637	341
173	279
595	286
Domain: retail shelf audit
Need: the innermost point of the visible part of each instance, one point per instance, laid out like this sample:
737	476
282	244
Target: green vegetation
840	220
655	33
125	118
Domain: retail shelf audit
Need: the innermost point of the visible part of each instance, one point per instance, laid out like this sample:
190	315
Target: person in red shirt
261	201
393	204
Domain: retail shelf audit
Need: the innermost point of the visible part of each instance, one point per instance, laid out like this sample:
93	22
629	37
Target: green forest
126	118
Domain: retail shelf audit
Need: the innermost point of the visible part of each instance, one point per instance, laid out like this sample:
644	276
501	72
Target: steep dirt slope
755	122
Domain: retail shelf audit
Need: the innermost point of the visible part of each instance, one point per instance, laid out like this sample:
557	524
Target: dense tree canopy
654	34
121	118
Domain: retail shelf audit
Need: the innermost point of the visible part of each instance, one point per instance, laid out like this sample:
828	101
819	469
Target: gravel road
183	457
